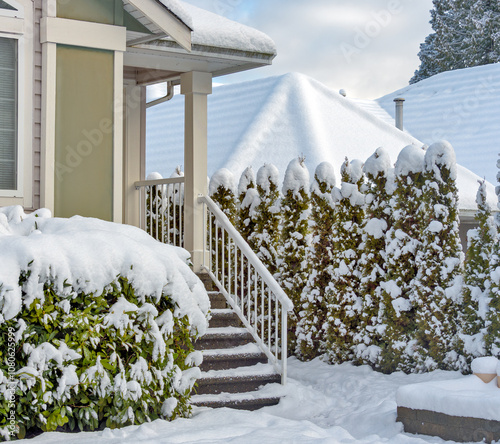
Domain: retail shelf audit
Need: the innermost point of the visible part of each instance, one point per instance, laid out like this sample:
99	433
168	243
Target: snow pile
87	255
284	117
466	397
339	404
485	365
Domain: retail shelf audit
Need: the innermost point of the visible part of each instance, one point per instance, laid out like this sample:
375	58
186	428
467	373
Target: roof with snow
276	119
460	106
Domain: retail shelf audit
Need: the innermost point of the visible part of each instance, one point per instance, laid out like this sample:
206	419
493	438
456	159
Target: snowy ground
322	404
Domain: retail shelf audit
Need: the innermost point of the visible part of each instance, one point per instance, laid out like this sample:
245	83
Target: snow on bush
100	319
313	310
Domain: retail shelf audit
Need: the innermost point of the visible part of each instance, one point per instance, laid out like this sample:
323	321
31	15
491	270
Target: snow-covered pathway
323	404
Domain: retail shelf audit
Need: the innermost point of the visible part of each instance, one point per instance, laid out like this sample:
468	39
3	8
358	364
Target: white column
195	86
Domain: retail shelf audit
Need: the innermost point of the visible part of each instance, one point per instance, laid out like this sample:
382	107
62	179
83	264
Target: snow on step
247	349
254	370
226	331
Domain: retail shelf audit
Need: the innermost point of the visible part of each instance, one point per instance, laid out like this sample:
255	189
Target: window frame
17	25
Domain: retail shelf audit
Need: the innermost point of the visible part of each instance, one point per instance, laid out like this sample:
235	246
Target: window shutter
8	114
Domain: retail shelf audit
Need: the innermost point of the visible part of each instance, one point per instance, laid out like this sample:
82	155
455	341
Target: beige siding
37	112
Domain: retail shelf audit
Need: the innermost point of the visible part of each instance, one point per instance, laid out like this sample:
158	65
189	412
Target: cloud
368	47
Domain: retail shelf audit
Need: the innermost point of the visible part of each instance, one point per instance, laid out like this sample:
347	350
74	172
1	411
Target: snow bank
465	397
88	254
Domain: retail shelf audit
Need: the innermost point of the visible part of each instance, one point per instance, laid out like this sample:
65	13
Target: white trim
118	138
11	25
8	13
49	86
86	34
165	20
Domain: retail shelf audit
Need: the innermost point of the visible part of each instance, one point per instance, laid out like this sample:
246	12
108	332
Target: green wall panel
109	12
84	133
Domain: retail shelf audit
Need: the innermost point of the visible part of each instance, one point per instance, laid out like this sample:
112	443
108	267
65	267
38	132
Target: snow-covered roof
176	8
460	106
275	119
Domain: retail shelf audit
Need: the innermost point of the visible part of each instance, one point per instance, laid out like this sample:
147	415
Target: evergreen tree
294	266
310	338
402	244
439	280
344	303
173	229
466	33
248	199
221	190
378	190
265	238
492	338
476	278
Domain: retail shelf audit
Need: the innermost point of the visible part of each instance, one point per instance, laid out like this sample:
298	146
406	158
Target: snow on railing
247	285
162	209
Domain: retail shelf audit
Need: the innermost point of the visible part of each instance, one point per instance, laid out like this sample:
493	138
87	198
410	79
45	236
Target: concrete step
243	379
217	300
224	337
224	317
241	401
243	356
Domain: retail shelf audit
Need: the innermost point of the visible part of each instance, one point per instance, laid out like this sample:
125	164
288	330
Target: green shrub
85	361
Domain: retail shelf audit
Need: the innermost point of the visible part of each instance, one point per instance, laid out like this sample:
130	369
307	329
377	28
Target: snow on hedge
88	254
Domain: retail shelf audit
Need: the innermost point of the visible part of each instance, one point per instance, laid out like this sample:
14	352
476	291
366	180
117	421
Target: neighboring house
72	98
284	117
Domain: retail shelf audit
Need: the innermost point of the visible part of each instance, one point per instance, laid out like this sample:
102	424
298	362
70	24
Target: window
8	113
4	5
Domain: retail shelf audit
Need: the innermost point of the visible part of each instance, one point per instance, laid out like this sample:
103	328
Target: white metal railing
162	209
249	288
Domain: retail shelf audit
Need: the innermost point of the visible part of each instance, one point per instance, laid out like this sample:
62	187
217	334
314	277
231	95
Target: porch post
195	86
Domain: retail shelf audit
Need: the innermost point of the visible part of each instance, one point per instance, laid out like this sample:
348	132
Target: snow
460	106
410	161
486	364
378	163
88	254
210	29
176	7
221	178
247	178
325	173
441	154
296	177
468	396
267	175
322	404
284	117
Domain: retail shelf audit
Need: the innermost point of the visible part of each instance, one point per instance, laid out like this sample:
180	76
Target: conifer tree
173	229
312	315
484	25
439	279
476	278
248	199
492	338
294	266
402	244
378	191
265	238
343	298
222	191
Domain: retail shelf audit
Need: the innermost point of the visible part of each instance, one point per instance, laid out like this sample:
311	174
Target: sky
367	47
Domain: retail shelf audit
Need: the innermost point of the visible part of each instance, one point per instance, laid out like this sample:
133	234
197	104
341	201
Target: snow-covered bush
294	266
248	199
222	190
476	278
402	244
312	314
343	298
97	322
439	282
378	218
266	217
492	338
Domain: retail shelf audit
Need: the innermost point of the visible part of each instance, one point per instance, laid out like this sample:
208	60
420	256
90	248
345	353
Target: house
307	119
73	98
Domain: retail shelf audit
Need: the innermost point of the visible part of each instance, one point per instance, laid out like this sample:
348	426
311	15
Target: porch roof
212	43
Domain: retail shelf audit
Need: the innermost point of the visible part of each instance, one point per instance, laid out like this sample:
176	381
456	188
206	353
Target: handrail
249	288
248	252
147	183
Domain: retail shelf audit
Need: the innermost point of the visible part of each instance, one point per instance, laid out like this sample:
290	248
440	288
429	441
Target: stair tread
253	371
222	311
247	349
226	331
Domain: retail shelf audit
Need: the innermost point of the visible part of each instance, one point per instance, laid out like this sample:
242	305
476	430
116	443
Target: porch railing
162	209
247	285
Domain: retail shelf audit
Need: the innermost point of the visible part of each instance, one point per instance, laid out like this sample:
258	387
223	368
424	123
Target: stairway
235	372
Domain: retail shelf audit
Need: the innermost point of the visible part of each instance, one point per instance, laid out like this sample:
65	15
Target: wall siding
37	112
